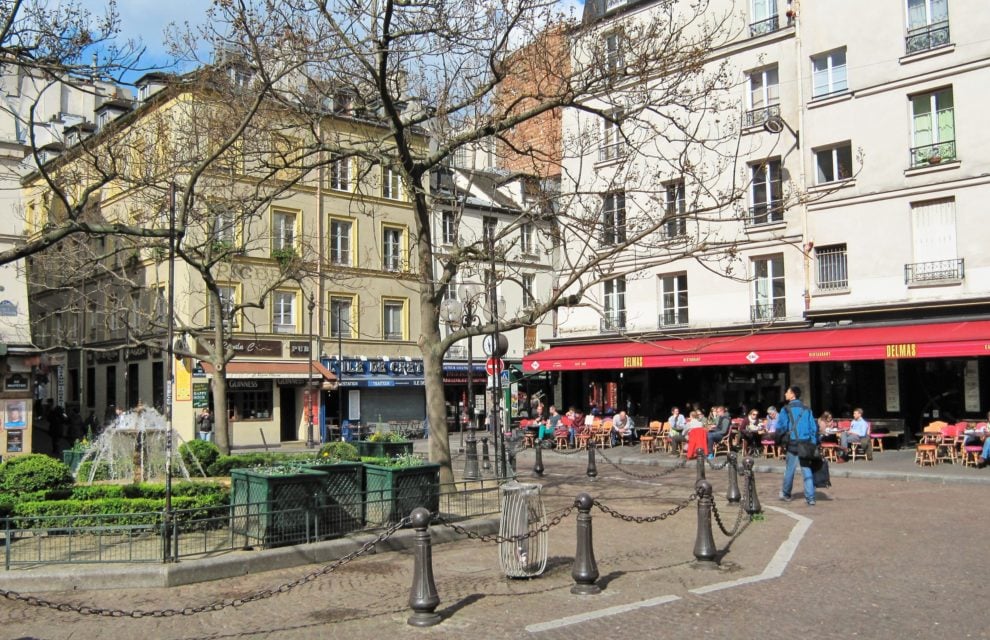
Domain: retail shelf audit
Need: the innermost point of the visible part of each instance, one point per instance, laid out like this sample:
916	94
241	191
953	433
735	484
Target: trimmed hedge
201	451
130	491
344	451
112	511
33	472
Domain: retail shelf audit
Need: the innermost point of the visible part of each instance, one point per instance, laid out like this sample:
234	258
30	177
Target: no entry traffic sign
494	366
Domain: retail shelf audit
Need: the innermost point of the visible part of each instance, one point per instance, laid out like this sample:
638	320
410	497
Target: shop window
249	399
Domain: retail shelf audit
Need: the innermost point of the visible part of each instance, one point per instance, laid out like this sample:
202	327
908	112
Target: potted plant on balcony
935	158
396	486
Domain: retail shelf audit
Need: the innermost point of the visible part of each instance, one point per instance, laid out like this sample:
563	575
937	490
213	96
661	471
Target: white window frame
489	227
768	177
392	184
673	300
832	267
284	311
528	287
674	203
762	92
341	244
526	235
448	224
393	310
937	139
930	17
228	302
614	218
614	56
614	303
828	75
283	229
345	304
393	241
340	173
613	144
768	272
834	161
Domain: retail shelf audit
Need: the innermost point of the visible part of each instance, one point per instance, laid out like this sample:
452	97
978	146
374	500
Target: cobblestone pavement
878	559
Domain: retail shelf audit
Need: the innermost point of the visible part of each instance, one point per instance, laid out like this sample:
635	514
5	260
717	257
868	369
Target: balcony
756	117
764	27
934	272
928	37
613	323
768	311
672	318
765	213
613	151
933	154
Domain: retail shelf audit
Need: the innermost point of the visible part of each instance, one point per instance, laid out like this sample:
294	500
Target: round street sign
494	366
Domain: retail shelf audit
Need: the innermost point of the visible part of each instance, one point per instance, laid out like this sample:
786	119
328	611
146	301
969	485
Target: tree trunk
221	422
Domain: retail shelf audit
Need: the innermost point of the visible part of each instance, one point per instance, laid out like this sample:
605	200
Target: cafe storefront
374	390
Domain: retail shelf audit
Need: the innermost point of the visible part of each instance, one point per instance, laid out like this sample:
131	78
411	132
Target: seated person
719	430
676	422
549	425
859	432
622	428
752	431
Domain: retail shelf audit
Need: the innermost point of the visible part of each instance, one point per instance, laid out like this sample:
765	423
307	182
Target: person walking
797	421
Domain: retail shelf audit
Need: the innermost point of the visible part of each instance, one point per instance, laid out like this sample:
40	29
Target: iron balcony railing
614	323
762	27
673	318
756	117
935	271
768	311
928	37
765	213
932	154
612	151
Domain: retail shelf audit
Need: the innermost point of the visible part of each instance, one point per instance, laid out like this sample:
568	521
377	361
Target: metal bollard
485	463
538	467
423	597
585	569
753	505
592	467
733	495
701	459
704	542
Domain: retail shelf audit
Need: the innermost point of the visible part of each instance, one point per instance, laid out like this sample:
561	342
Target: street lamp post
340	371
462	314
309	380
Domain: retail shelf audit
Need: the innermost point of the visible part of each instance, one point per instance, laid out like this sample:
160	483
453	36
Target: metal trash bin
522	512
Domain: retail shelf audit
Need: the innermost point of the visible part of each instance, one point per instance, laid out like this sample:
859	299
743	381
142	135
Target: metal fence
145	538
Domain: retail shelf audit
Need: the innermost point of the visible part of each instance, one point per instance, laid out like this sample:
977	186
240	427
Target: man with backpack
797	421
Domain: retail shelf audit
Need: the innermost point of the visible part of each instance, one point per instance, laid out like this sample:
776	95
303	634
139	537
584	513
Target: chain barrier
218	605
498	538
718	519
644	476
717	467
645	519
568	452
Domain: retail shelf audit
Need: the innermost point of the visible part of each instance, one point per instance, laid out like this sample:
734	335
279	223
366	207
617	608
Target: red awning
280	369
941	340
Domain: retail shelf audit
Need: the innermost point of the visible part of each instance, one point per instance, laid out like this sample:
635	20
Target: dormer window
102	119
239	77
343	103
144	92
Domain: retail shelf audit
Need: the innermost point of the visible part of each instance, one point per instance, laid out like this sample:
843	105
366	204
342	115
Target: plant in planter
385	444
934	159
284	256
396	486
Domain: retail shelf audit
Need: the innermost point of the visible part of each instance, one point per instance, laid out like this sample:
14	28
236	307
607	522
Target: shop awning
238	369
931	340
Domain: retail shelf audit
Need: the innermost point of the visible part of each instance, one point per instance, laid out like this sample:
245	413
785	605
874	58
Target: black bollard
485	463
704	542
423	597
592	468
585	569
701	460
753	505
733	495
538	467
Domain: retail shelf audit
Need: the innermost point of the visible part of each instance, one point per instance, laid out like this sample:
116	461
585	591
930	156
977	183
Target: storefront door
289	422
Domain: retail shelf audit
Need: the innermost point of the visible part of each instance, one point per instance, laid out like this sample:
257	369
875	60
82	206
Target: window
283	231
832	270
614	218
673	300
393	313
927	24
249	400
766	193
613	146
284	312
764	96
615	305
340	173
933	226
224	225
392	241
343	103
613	54
391	184
489	227
933	128
828	73
833	164
674	209
449	225
341	318
526	238
528	284
764	18
768	289
340	241
228	305
286	156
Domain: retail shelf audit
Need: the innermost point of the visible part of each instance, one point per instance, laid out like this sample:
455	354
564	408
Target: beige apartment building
836	238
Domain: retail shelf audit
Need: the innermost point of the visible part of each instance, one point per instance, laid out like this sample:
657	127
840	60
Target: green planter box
341	504
383	449
276	509
72	458
393	493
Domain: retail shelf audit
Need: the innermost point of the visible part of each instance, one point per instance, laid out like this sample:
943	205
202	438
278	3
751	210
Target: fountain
133	448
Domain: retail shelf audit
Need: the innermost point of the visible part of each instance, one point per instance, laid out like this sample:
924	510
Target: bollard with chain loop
704	542
701	461
592	467
486	465
585	569
538	467
753	505
732	494
423	597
